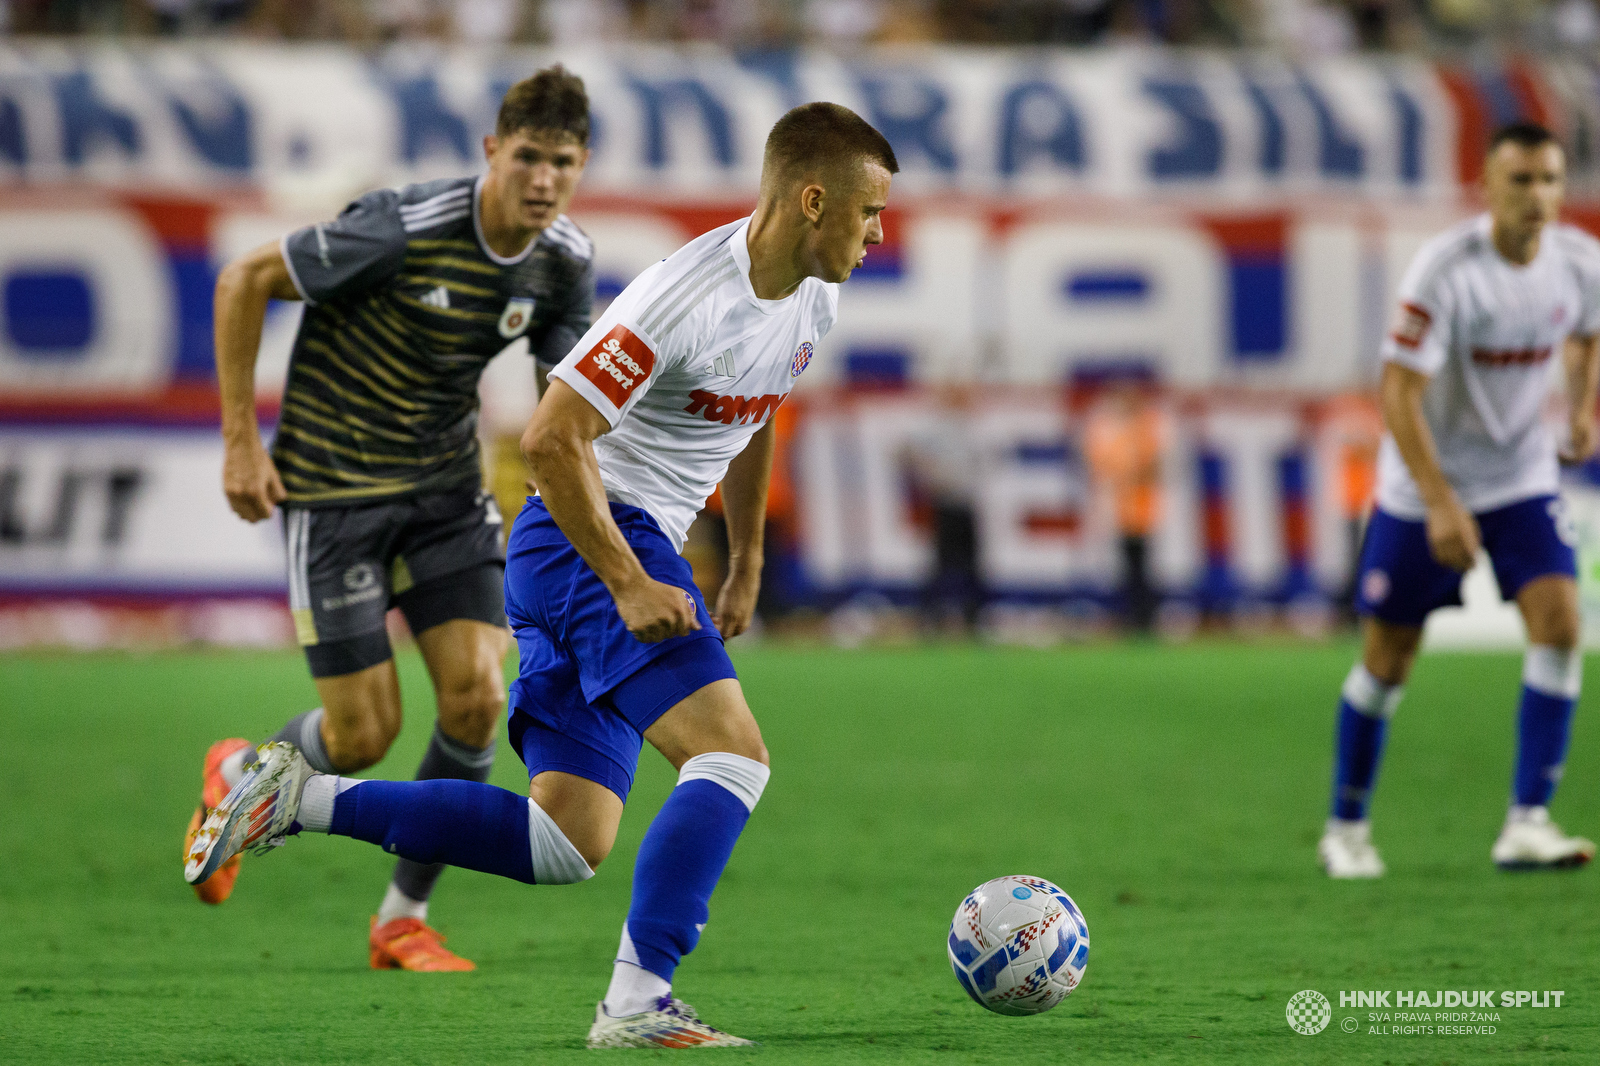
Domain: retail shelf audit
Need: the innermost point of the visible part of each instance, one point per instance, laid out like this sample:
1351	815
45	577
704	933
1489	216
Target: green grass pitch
1176	793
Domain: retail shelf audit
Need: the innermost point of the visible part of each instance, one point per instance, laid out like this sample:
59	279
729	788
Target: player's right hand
250	481
654	611
1453	535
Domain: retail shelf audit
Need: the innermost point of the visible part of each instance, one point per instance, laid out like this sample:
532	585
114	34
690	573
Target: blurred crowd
1298	27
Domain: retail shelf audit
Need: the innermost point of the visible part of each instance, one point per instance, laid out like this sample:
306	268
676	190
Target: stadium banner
1226	229
91	509
1125	123
111	292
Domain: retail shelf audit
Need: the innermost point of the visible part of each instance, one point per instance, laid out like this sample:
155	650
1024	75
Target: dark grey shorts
436	557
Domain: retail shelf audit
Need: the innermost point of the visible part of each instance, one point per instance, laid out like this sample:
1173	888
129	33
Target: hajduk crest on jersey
802	356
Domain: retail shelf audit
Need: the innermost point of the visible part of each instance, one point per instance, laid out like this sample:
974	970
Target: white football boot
256	813
672	1024
1346	850
1531	841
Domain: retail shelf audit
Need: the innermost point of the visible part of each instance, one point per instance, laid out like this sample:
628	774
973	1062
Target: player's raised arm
559	448
1580	358
249	479
1453	535
744	505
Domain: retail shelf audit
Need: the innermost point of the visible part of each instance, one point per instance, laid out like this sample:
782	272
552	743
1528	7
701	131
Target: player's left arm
1580	357
744	506
562	335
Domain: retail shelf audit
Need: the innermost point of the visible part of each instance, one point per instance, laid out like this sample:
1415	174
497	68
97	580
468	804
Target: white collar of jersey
477	227
741	255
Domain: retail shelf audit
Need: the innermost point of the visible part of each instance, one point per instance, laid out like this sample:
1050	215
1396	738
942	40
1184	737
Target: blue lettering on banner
13	142
1217	590
1097	286
1505	107
221	131
1038	119
1294	498
877	366
660	99
1272	138
49	315
1044	453
194	280
1260	289
86	120
910	112
885	263
1096	371
1339	154
1408	116
425	121
1196	151
779	67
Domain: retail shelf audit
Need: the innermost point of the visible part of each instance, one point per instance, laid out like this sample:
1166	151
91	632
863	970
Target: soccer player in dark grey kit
409	293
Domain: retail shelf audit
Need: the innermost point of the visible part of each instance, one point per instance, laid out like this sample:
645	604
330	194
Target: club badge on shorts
802	356
515	318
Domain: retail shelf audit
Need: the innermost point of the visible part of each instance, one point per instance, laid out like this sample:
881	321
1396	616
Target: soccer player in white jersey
1467	461
670	393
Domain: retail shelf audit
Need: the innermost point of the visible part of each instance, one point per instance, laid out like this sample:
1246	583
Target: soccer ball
1018	945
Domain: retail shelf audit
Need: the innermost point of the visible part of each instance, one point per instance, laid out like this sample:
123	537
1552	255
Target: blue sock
1550	686
1544	724
460	823
1364	711
680	861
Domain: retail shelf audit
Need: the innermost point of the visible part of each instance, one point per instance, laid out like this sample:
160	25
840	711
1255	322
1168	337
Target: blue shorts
1401	581
587	689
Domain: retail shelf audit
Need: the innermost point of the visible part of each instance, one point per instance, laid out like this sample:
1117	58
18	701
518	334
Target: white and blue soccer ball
1018	945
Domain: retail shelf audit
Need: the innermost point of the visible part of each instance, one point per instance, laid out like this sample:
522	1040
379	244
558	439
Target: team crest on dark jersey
802	357
518	313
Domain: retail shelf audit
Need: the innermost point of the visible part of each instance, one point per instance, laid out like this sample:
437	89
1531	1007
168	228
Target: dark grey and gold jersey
405	305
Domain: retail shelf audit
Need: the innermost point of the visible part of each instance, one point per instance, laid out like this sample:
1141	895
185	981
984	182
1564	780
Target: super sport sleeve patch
617	365
1411	325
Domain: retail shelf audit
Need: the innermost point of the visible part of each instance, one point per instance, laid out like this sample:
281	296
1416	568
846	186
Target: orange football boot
219	886
409	944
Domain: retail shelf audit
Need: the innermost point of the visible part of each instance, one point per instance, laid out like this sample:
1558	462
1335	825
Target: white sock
633	988
1368	695
316	801
744	777
396	904
555	860
232	768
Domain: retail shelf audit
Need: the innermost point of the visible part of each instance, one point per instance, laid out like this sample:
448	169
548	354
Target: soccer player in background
1467	461
409	293
670	393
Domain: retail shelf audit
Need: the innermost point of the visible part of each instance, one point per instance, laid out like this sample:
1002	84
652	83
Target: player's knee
1560	633
356	746
1555	626
758	752
472	705
594	852
1388	651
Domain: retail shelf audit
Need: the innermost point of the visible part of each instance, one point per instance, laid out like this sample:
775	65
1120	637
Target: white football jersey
687	364
1490	335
